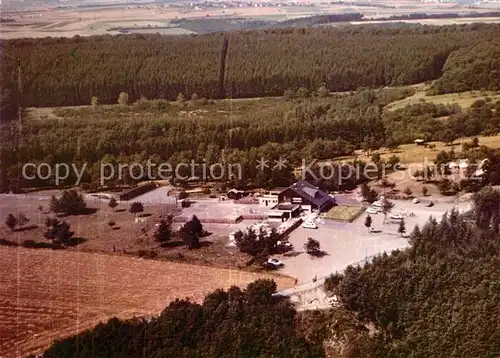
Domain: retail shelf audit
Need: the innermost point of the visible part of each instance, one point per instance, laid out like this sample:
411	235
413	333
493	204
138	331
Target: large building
308	196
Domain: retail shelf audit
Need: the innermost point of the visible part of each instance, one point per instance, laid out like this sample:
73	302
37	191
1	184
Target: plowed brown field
47	294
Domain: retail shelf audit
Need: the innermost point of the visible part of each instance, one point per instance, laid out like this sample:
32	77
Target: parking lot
350	243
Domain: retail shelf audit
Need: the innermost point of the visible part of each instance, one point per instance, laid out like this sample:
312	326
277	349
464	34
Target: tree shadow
30	244
26	228
116	228
120	210
320	254
6	242
86	211
172	244
74	241
375	231
292	254
205	243
144	215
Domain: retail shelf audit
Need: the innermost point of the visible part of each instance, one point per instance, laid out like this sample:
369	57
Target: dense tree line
309	21
232	323
70	71
474	67
447	15
438	298
298	129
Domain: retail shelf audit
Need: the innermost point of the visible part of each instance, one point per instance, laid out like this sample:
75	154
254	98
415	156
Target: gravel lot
350	243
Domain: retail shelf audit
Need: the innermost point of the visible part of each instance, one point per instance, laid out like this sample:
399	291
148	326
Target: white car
275	262
415	201
372	211
332	299
396	217
378	204
309	225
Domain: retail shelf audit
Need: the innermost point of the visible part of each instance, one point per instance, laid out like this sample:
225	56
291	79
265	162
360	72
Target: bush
111	223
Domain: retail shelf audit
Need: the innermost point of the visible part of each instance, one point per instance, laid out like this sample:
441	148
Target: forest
70	71
297	126
438	298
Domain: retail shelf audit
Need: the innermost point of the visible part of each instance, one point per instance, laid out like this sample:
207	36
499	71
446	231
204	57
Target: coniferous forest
70	71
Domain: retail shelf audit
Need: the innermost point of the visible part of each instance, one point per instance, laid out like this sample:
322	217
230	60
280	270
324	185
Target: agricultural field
99	20
45	294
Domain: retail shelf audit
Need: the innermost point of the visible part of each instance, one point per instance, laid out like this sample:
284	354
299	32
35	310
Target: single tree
247	242
312	246
425	191
182	195
40	208
59	232
289	94
22	219
402	227
386	208
71	202
54	205
194	97
123	99
408	191
368	194
368	222
112	203
136	207
94	102
11	221
323	91
181	98
302	92
164	231
50	221
190	239
194	226
393	162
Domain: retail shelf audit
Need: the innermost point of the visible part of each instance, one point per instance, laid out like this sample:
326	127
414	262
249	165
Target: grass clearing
344	213
463	99
412	153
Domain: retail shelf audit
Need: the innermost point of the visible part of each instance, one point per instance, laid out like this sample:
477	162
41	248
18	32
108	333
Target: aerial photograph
249	178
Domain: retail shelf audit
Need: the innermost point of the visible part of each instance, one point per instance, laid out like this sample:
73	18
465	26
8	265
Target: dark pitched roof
308	191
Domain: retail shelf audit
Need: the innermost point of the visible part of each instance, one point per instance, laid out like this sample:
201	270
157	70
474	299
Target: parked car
275	262
415	201
309	225
372	211
429	204
332	299
378	204
396	217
